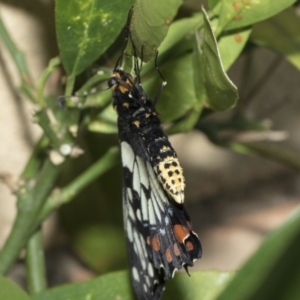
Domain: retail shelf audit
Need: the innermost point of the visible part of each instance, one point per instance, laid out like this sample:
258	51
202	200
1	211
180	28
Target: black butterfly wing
159	236
173	243
158	230
148	281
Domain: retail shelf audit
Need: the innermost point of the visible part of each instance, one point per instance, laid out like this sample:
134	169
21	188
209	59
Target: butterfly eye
111	82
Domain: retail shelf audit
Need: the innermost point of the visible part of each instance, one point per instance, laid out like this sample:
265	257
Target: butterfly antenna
127	34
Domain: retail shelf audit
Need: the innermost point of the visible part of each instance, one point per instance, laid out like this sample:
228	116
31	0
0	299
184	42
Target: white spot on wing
156	188
167	221
170	211
162	231
144	248
144	206
129	230
138	214
129	194
136	178
127	155
135	274
131	212
135	248
150	270
138	242
148	280
174	271
151	213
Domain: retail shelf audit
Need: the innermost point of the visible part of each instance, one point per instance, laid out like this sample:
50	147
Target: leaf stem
31	198
271	152
35	264
57	198
70	85
54	62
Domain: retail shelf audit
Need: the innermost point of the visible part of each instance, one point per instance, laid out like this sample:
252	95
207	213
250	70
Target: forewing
148	281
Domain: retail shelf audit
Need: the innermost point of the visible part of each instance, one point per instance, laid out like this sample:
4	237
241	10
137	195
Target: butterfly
159	234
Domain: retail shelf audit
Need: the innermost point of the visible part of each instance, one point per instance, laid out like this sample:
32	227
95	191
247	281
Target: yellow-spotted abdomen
170	175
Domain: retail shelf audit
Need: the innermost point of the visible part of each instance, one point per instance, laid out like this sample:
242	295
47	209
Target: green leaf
200	285
111	286
241	13
86	28
231	45
178	30
221	93
117	285
280	33
10	291
212	3
273	272
188	122
178	97
150	24
101	252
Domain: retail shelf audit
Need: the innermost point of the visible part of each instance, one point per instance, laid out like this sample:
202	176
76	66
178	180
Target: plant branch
31	198
35	264
70	85
54	62
271	152
57	198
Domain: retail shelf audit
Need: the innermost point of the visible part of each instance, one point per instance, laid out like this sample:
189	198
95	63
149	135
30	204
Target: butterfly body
160	239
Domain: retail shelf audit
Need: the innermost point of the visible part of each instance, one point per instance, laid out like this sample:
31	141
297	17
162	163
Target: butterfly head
121	81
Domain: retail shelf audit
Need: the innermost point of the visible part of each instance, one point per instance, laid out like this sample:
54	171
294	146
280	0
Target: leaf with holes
241	13
231	46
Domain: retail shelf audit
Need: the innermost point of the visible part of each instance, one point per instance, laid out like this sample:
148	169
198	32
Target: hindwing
159	235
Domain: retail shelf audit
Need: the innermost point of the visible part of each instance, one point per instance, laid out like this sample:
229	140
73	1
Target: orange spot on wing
181	233
189	246
176	250
155	243
168	255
